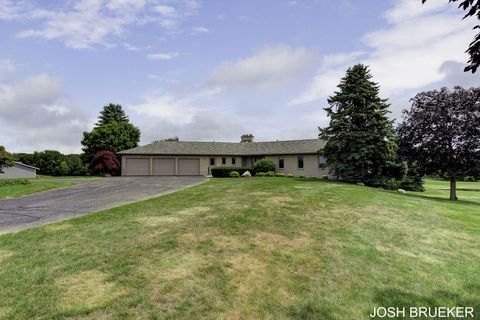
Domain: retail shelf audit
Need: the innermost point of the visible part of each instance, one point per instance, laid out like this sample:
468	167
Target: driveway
88	195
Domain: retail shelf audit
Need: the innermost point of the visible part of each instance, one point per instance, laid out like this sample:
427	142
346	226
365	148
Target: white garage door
164	167
188	167
137	167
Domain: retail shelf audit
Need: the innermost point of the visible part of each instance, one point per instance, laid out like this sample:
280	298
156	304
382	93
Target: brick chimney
247	138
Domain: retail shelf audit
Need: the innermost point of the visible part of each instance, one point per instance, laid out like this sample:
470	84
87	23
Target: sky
213	70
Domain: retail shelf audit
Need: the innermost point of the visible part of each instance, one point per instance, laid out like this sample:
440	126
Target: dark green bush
13	182
224	172
263	165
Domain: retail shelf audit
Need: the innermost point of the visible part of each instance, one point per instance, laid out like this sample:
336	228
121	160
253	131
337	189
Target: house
19	170
185	158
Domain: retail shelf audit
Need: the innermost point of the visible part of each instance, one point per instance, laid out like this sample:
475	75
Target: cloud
407	55
7	67
170	108
87	23
162	56
455	76
164	115
273	67
196	30
37	114
165	10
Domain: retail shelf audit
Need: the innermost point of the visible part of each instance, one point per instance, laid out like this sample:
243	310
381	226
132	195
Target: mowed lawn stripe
248	248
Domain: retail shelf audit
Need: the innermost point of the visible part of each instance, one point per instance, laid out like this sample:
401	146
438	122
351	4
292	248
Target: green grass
43	177
273	248
25	189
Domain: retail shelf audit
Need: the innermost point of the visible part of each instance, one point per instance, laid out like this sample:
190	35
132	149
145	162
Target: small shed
19	170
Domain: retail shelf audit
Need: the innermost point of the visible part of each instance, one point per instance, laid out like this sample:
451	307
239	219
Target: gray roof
26	165
308	146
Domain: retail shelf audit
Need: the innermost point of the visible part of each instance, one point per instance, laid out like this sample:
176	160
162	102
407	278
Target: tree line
112	133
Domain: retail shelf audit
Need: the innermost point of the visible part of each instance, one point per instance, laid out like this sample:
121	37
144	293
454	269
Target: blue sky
212	70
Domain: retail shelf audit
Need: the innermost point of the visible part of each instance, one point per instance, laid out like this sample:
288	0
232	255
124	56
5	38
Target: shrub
263	165
224	172
234	174
289	175
279	174
269	174
105	162
391	184
13	182
260	174
302	176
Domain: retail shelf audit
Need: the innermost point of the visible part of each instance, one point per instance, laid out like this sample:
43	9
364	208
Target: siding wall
18	171
310	165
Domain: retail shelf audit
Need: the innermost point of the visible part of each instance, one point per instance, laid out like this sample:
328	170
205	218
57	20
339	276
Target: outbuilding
19	170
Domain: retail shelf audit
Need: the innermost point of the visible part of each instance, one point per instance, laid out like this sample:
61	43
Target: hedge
13	182
224	172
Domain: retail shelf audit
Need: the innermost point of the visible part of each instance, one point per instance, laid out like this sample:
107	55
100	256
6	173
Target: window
300	162
234	160
321	161
281	163
224	160
212	161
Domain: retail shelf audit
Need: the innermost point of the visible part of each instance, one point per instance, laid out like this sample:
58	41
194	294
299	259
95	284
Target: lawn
44	177
275	248
35	186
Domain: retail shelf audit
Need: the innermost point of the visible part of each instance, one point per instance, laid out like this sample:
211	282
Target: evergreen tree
361	143
112	112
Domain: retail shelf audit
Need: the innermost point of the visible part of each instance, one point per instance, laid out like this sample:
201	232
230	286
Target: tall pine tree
112	112
361	143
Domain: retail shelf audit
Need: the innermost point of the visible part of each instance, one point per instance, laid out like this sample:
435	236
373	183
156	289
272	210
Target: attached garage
163	166
137	167
188	167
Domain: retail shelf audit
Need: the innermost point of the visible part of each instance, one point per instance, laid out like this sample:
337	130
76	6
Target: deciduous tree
113	132
441	133
105	162
6	159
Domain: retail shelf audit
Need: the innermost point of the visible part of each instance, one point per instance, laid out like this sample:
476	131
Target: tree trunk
453	189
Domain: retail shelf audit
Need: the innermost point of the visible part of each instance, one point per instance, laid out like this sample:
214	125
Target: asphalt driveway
88	195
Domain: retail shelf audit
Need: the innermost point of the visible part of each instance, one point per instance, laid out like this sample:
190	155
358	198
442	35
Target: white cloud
162	56
37	114
168	107
196	30
87	23
164	115
7	66
272	67
165	10
405	56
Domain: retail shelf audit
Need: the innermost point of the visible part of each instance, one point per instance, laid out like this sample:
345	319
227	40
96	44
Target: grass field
24	189
273	248
43	177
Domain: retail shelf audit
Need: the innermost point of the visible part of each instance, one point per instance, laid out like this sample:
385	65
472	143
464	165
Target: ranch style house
191	158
